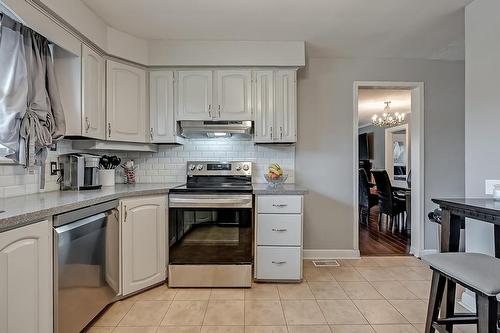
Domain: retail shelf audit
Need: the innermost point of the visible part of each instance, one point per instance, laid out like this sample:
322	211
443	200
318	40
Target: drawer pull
280	205
279	262
278	230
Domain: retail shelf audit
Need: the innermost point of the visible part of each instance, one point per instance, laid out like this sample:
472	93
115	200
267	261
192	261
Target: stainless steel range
211	226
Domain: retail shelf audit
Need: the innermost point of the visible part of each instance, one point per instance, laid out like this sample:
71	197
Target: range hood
194	129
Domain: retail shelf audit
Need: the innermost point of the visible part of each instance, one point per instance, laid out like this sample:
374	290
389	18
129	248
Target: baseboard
468	301
331	254
427	252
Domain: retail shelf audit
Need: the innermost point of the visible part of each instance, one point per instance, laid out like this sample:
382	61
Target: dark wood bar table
454	213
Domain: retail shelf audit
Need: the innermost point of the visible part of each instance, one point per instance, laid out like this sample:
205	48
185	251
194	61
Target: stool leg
451	289
487	311
435	298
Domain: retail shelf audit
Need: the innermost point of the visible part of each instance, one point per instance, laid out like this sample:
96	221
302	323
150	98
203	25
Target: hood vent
194	129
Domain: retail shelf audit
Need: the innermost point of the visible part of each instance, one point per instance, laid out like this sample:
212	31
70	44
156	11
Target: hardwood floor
384	242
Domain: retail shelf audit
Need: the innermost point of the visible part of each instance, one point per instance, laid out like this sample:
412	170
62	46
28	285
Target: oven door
210	229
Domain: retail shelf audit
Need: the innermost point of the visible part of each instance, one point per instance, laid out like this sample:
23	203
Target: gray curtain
13	85
41	122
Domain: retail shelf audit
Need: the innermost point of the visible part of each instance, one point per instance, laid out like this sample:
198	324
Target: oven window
210	236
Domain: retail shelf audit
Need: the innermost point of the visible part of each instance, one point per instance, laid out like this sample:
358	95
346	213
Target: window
4	151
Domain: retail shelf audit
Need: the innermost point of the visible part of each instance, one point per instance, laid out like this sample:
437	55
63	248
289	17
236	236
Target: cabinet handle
210	110
281	133
151	133
271	132
109	129
278	230
87	124
125	213
279	205
278	262
219	110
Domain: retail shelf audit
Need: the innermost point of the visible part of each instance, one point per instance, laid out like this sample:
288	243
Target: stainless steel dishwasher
86	264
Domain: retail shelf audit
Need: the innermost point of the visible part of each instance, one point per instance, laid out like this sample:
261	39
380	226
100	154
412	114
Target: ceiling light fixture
388	119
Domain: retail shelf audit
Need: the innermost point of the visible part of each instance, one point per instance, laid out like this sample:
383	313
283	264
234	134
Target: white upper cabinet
194	95
125	103
275	106
285	112
234	91
143	242
93	88
161	107
264	106
26	279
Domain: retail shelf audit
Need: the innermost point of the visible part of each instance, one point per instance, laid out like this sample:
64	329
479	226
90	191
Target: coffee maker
79	172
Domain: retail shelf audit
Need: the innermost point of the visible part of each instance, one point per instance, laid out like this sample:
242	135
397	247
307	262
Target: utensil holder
107	177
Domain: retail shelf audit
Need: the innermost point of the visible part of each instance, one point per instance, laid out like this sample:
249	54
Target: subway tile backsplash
167	165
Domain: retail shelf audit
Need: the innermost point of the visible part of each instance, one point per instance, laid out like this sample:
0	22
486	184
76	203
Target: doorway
388	141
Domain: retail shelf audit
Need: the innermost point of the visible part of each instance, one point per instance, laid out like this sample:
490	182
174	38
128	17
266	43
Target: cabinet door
126	102
93	108
26	279
285	113
264	106
234	95
161	107
194	95
143	242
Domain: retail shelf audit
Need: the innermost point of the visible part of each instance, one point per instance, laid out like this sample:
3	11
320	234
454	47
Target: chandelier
388	119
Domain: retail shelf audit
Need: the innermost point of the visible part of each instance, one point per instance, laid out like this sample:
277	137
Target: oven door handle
210	201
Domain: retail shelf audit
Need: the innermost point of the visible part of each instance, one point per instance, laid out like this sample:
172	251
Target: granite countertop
26	209
285	189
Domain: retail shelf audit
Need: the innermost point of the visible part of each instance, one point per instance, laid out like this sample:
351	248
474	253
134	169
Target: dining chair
367	200
389	204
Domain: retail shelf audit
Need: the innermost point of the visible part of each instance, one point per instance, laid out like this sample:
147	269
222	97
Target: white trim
425	252
417	154
330	254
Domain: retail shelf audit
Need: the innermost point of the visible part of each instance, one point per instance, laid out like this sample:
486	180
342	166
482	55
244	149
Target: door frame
388	147
417	159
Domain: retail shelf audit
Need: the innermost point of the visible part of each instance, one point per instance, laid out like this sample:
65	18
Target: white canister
107	177
496	192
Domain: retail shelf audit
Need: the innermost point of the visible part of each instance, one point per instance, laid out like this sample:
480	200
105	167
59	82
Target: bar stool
477	272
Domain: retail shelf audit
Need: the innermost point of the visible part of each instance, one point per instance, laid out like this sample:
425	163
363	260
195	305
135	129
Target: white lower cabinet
279	237
278	263
143	238
26	279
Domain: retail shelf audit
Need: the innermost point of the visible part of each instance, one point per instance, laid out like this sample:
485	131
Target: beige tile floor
368	295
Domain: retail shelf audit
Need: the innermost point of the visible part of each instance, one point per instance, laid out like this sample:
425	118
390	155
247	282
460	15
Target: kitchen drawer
279	229
279	204
278	263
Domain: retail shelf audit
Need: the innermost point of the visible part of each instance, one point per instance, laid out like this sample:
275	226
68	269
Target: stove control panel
217	168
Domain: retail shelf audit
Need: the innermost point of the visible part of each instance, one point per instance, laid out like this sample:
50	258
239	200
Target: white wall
126	46
324	152
226	53
482	111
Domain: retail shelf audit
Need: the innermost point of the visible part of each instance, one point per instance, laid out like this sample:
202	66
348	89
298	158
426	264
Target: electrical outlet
53	168
490	185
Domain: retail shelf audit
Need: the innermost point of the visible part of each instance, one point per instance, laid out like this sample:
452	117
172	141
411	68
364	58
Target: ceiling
429	29
371	101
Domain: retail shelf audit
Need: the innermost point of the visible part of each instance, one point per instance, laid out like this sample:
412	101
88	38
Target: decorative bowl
274	182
